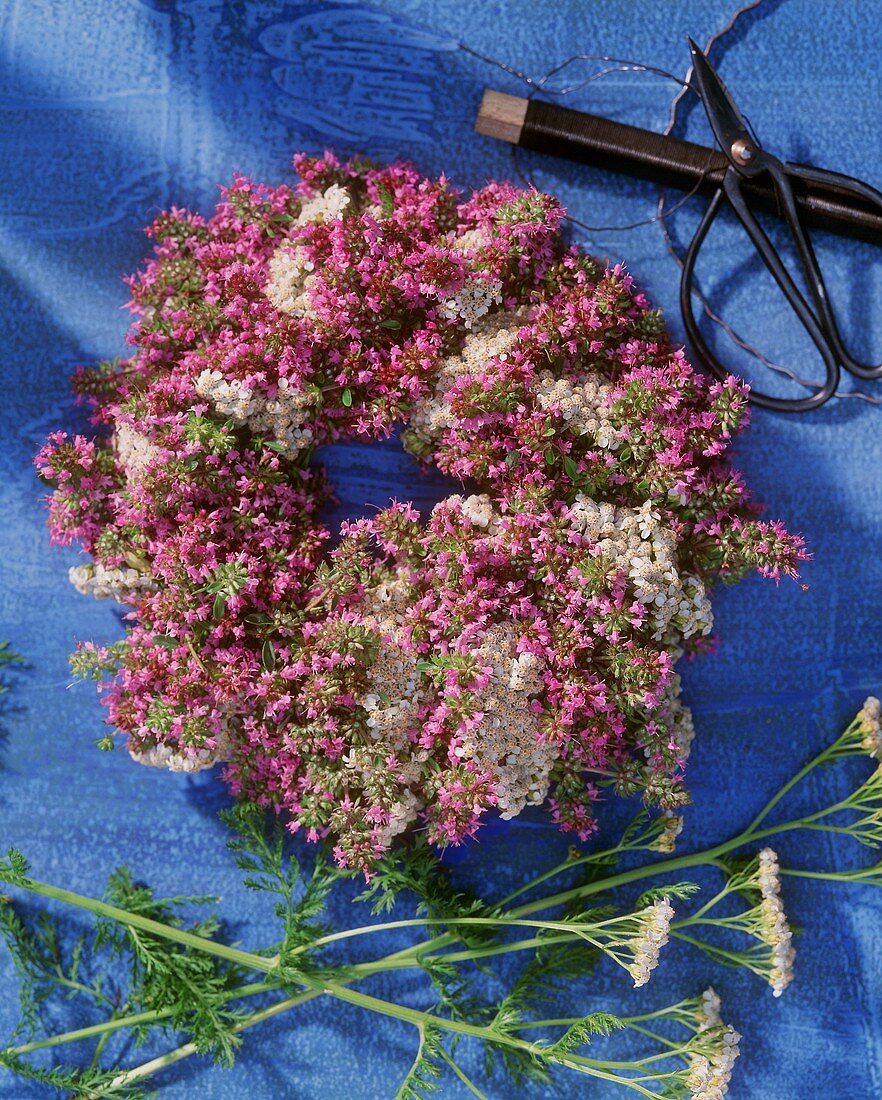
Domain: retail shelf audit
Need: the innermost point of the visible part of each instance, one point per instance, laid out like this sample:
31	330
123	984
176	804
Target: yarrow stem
588	1066
145	924
133	1020
663	868
632	940
868	876
861	735
147	1069
591	1067
868	797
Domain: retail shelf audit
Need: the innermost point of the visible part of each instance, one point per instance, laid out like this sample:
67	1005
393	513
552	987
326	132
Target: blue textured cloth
112	111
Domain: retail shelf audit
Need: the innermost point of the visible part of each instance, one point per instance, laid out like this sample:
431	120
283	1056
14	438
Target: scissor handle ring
808	173
704	354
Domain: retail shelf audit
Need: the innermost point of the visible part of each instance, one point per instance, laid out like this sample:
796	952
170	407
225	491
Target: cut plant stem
156	928
315	985
133	1020
146	1069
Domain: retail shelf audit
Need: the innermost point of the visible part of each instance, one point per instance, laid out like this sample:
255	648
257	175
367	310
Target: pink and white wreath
516	647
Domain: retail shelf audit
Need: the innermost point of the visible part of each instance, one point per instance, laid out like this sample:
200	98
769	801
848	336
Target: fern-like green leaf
421	1079
581	1033
681	890
14	868
92	1082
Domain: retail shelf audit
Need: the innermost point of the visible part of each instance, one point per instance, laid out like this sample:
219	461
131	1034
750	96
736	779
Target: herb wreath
520	645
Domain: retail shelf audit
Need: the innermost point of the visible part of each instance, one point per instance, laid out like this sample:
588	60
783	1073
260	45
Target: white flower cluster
185	760
291	272
639	545
709	1074
478	509
391	702
656	922
472	301
774	927
326	207
491	337
678	607
394	688
583	407
291	277
666	841
470	241
401	815
109	584
393	698
280	417
870	718
507	741
133	451
679	717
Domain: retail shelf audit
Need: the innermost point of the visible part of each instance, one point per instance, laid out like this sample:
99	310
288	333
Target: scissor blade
726	120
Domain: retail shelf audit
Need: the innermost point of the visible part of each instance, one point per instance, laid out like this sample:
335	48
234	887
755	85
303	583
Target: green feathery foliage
422	1077
151	967
8	657
84	1084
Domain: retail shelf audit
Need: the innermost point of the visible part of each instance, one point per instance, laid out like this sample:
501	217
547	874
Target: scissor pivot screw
743	151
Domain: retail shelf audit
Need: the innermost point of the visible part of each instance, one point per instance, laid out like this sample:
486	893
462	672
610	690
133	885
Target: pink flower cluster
515	649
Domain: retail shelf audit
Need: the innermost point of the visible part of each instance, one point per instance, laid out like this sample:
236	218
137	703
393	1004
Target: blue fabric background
110	112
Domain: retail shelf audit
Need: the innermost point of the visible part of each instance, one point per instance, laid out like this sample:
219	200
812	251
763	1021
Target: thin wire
503	65
616	65
619	65
711	42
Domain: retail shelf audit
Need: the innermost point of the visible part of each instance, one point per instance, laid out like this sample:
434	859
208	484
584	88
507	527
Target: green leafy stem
197	982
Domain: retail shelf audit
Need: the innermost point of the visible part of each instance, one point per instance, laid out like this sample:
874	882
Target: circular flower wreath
519	646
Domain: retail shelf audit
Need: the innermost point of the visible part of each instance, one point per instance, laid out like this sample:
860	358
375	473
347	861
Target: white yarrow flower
646	946
472	301
134	451
280	418
109	584
190	761
775	930
710	1072
870	717
290	275
326	207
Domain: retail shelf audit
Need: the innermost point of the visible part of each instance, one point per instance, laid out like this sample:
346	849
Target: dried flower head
672	827
870	723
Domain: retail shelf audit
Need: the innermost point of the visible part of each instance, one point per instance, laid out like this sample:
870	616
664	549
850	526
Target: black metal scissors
748	161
